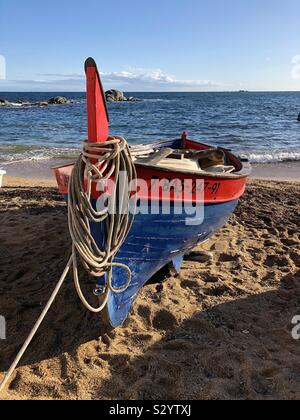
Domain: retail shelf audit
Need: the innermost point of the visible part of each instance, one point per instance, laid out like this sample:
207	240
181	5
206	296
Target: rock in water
299	117
115	96
118	96
59	100
4	102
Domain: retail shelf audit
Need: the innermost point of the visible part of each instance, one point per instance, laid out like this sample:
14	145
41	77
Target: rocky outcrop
118	96
4	102
111	96
59	100
115	96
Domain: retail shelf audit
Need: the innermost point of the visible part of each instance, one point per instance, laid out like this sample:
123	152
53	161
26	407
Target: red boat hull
216	188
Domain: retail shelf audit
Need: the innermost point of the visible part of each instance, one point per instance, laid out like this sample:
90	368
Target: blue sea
260	126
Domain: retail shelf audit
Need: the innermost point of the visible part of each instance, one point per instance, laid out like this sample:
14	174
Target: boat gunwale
244	172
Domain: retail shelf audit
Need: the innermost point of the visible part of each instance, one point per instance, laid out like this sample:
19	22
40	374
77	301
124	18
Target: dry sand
220	330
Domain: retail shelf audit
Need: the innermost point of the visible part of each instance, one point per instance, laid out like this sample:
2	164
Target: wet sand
284	171
219	330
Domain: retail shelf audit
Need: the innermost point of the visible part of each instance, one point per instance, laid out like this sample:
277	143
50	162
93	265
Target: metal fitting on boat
99	290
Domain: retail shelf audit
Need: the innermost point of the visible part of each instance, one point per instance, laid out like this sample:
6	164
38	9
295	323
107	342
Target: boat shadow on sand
239	347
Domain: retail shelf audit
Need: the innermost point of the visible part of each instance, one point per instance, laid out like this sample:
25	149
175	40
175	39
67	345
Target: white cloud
52	76
296	67
296	59
152	78
130	79
2	68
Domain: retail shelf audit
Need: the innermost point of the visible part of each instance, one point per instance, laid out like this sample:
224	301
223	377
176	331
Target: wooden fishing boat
189	191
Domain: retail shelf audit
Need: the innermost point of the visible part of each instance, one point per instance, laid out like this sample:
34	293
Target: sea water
260	126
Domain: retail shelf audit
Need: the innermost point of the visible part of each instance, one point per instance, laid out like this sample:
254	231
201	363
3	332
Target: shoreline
281	171
39	172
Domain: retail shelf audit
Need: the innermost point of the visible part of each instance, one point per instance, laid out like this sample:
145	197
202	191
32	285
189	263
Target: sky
154	45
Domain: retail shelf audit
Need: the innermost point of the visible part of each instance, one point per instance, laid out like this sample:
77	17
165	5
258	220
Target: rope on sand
36	327
99	162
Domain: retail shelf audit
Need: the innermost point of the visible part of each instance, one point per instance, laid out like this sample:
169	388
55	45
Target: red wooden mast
97	114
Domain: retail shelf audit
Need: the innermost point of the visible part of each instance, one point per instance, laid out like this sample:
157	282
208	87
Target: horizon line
155	91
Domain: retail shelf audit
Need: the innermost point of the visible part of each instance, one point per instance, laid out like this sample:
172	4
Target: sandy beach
219	330
96	124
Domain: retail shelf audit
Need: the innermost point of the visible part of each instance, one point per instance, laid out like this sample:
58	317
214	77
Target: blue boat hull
153	242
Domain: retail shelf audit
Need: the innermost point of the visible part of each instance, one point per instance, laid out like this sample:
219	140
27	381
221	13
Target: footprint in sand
189	284
164	320
277	260
145	313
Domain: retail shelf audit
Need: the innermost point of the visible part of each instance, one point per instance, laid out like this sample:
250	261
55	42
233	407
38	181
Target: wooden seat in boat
210	160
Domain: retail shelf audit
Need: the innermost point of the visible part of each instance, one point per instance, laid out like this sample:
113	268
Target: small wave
271	157
15	104
158	100
20	153
11	153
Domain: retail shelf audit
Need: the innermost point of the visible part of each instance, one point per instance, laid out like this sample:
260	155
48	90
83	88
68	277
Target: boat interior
176	157
212	160
191	157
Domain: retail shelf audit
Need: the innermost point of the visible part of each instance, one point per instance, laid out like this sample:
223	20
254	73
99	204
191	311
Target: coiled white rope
112	158
99	162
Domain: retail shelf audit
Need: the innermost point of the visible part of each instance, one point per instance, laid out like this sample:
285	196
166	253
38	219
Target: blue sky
157	45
